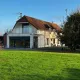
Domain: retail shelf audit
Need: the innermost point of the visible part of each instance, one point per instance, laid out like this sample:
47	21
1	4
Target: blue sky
49	10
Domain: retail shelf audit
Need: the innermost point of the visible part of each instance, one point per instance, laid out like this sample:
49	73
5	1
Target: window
25	28
54	40
47	41
46	26
58	41
51	39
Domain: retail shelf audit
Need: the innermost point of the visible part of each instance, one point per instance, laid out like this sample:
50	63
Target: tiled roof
39	24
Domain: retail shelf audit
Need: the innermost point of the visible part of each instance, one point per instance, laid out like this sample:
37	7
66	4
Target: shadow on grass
47	49
58	49
72	74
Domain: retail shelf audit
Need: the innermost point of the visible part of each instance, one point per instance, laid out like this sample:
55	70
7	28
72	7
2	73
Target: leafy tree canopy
71	31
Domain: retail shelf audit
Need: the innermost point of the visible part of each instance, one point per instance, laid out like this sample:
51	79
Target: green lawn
35	65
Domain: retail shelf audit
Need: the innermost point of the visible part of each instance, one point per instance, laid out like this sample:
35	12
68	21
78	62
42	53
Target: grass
36	65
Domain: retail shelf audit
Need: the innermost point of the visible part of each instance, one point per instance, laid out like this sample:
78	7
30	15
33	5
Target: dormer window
46	26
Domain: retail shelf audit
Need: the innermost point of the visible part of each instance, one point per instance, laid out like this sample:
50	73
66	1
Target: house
1	41
30	32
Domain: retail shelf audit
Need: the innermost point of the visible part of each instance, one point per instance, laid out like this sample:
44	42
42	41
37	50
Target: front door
35	42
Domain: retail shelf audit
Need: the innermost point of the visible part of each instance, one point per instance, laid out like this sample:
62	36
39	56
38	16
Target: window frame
53	40
25	25
47	41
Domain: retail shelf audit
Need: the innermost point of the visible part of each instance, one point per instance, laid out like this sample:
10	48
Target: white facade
45	38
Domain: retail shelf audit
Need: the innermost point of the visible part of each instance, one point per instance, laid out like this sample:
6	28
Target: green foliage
36	65
71	31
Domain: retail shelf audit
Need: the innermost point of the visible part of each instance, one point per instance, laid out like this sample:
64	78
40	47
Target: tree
71	31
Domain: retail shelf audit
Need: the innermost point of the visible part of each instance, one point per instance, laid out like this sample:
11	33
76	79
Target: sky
48	10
